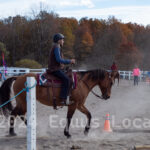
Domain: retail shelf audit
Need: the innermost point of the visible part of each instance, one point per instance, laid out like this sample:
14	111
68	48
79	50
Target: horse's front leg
84	110
71	110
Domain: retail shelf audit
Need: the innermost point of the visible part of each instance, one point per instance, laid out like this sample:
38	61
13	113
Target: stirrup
67	103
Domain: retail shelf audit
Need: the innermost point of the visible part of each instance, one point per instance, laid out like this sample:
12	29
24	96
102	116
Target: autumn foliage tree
94	43
128	55
68	28
84	42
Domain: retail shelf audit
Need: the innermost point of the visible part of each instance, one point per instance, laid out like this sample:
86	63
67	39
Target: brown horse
85	82
115	74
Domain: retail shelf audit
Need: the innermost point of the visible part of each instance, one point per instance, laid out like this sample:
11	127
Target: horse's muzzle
106	97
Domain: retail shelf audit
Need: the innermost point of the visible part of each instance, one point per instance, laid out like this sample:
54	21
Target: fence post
130	73
31	114
124	74
141	74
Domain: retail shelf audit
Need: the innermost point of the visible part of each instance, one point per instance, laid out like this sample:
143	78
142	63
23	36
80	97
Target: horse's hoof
86	131
67	134
12	134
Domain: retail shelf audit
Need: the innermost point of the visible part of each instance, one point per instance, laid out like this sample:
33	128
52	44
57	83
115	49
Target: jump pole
141	147
31	114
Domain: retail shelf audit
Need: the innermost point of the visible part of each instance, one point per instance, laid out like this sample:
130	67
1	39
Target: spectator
136	73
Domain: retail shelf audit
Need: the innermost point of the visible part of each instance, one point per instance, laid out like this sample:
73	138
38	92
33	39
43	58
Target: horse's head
101	78
105	85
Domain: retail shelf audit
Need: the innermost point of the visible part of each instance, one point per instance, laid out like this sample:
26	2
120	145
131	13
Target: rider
114	67
56	65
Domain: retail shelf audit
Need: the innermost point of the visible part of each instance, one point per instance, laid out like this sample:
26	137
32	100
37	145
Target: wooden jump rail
141	147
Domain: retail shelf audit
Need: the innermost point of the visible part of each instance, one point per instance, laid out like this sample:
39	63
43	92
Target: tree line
94	43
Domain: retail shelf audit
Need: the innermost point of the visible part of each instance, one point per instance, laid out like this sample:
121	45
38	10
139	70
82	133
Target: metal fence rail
128	75
14	71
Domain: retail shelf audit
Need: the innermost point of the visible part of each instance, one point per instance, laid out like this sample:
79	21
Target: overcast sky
135	11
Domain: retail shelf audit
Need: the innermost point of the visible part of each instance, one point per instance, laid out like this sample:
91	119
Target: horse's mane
97	74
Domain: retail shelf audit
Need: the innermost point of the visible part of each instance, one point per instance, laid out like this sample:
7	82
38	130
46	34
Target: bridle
92	90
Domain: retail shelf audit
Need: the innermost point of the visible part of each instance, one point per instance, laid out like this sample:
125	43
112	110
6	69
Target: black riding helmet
57	37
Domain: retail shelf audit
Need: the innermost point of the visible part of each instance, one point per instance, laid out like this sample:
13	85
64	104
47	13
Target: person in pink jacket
136	74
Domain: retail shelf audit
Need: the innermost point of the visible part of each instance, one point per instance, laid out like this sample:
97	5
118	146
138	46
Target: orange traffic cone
107	124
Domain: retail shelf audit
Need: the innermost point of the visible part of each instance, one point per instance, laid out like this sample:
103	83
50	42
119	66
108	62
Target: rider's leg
65	84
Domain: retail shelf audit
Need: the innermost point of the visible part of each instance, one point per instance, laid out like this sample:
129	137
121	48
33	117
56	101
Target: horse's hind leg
14	113
84	110
71	110
23	119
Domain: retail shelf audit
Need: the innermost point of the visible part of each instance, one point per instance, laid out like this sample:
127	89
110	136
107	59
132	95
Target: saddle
48	80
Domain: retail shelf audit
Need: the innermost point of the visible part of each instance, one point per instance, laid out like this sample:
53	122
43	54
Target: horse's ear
109	74
112	76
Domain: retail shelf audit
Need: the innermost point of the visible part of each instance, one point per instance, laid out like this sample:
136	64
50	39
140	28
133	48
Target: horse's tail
5	91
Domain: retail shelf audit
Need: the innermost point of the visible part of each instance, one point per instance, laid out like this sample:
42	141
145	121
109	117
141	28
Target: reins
92	90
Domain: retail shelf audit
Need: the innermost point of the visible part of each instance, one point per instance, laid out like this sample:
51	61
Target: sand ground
129	109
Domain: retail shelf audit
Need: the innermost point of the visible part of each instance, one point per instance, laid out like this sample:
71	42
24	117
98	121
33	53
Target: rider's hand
73	61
